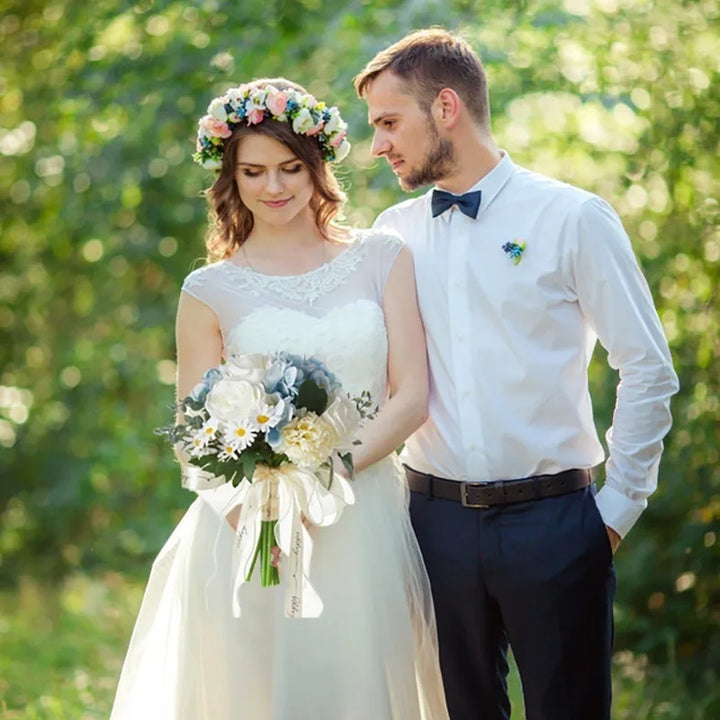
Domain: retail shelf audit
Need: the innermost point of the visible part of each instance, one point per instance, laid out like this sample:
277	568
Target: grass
61	649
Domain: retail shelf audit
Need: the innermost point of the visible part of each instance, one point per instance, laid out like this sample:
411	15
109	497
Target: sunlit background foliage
101	218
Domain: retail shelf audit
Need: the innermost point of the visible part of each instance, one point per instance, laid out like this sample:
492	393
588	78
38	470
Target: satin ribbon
285	494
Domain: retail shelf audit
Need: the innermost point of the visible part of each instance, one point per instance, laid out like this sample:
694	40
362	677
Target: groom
518	275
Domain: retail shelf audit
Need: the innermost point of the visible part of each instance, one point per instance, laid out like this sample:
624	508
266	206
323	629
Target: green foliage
312	397
101	217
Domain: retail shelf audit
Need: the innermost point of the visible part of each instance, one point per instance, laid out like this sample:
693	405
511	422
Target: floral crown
252	105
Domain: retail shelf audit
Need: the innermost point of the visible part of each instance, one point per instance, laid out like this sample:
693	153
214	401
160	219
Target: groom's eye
388	123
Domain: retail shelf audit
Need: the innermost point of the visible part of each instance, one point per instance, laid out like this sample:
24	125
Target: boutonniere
514	251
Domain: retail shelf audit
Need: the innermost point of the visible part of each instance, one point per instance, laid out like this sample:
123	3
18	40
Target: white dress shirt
509	344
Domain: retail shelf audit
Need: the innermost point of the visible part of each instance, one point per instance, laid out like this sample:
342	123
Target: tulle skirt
371	655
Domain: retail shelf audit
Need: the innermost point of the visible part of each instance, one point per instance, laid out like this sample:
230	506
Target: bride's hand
276	552
233	517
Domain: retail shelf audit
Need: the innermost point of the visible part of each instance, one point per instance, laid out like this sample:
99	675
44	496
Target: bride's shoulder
377	238
199	277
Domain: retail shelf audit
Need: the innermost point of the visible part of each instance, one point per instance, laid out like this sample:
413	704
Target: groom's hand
614	538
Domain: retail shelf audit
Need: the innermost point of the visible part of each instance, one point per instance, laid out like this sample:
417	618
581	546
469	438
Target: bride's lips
276	203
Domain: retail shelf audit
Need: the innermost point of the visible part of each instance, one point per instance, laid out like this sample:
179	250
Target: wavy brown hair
230	220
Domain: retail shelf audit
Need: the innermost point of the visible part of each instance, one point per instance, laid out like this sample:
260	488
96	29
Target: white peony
308	441
231	399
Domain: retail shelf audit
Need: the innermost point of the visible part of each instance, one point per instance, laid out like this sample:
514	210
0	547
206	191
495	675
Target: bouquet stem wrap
273	506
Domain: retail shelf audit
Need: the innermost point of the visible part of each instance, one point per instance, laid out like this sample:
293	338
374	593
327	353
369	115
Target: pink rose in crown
255	116
276	102
337	140
317	128
216	128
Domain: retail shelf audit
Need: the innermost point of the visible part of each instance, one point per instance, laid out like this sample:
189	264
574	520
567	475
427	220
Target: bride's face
273	183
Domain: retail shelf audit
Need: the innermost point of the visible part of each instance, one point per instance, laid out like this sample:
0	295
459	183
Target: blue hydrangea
288	372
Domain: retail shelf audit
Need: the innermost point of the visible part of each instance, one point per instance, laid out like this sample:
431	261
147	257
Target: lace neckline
307	286
317	270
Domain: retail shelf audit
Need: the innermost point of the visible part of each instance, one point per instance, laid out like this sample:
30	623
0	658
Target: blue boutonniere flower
514	251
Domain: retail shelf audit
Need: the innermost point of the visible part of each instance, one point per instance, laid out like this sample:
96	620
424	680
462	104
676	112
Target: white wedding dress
372	654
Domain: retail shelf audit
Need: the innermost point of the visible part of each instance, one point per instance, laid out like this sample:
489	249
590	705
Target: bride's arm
198	342
199	348
408	384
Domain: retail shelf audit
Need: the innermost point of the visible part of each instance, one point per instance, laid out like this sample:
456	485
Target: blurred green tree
101	216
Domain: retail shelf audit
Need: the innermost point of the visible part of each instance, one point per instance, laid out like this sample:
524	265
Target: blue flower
514	251
288	372
201	390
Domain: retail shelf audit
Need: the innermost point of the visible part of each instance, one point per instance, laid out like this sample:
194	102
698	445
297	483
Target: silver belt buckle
463	496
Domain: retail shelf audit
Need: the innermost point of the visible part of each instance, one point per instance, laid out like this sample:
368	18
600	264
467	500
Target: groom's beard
438	163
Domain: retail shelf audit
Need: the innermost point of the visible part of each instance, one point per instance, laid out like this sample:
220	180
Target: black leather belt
499	492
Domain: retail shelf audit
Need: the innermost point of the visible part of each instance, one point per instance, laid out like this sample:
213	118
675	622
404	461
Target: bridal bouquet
270	426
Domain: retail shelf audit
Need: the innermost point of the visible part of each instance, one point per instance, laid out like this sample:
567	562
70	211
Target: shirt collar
490	184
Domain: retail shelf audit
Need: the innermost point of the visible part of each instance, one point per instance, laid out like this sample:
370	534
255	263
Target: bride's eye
252	173
292	169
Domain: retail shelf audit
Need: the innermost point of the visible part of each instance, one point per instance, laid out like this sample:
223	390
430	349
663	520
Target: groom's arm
616	301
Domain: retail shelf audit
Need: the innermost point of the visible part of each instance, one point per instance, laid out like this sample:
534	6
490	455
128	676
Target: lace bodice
333	312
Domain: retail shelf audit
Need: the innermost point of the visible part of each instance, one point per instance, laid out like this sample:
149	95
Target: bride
287	277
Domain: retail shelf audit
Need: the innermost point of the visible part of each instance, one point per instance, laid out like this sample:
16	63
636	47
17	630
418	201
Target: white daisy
228	452
239	434
267	416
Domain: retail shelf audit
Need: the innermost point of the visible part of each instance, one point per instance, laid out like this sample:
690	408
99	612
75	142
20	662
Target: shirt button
473	448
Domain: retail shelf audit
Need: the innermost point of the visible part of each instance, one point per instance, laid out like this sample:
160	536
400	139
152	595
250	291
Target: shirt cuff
617	510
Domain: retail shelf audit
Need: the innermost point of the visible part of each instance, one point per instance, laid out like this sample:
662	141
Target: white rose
342	414
217	109
333	123
231	399
247	366
303	122
211	164
342	150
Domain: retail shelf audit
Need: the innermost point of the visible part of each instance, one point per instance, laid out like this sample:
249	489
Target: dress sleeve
198	285
385	246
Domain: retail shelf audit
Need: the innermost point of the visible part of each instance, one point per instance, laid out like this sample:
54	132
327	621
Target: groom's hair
428	61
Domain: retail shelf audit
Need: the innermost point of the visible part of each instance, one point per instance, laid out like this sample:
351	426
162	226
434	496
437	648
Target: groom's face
405	135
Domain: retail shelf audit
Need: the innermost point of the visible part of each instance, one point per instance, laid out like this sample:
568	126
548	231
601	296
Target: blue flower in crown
514	251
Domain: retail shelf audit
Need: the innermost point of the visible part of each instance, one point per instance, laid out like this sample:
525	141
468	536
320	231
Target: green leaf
312	397
347	461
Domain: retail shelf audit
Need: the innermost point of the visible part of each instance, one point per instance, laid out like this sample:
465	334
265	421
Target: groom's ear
447	108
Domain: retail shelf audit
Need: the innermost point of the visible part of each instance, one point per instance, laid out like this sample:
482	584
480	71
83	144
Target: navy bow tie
469	203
